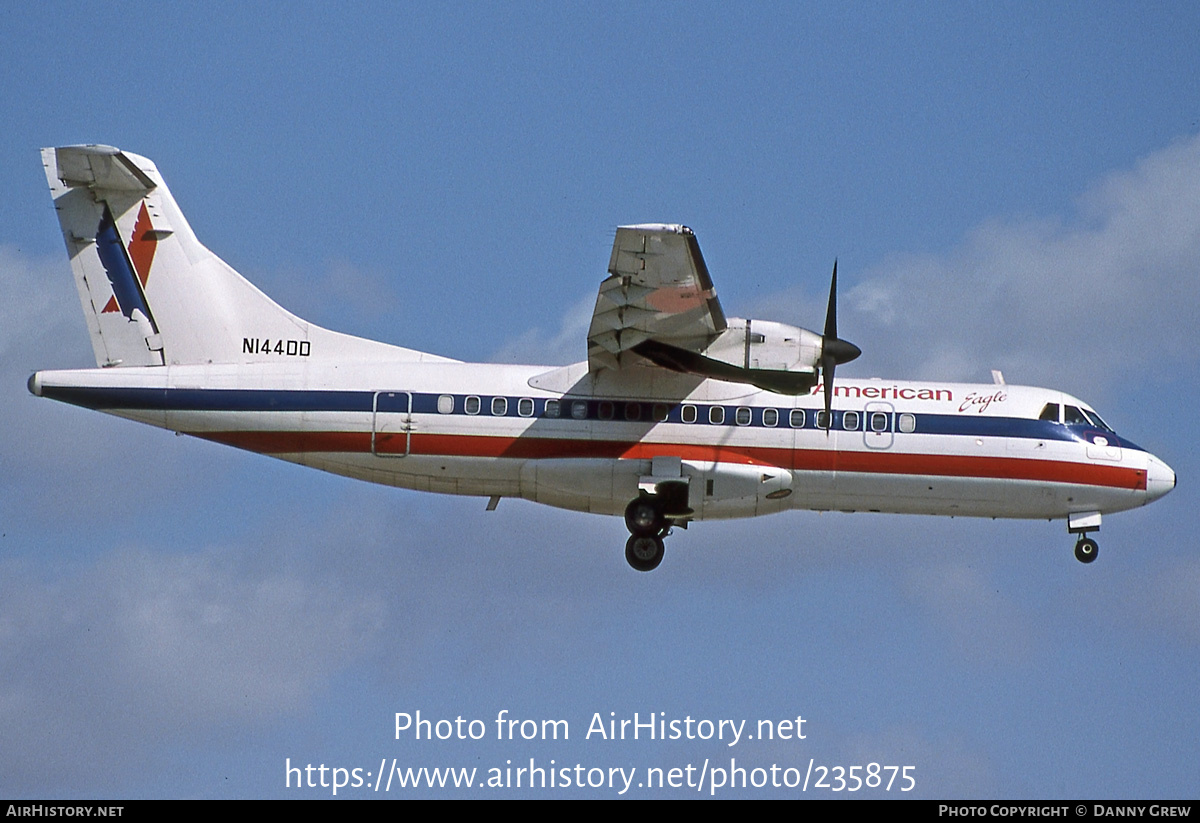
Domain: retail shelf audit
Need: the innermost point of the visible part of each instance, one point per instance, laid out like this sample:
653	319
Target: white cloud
43	326
340	294
1081	302
51	451
567	345
112	657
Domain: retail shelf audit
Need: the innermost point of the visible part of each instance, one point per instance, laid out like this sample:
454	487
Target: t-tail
152	294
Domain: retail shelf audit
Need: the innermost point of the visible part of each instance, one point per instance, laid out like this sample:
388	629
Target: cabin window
1074	417
633	411
661	412
716	415
742	416
551	409
908	423
471	406
606	410
771	417
688	414
850	421
879	422
1049	413
579	409
823	419
499	406
525	407
796	419
446	404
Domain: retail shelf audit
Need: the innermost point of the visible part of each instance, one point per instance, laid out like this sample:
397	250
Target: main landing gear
649	518
644	553
647	528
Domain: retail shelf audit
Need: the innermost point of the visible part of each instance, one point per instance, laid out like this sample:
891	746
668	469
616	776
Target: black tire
644	553
643	517
1086	550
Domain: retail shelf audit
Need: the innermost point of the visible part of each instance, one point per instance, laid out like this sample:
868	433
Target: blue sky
1004	185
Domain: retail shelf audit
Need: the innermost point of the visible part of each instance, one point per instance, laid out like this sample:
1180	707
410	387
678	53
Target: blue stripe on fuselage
303	400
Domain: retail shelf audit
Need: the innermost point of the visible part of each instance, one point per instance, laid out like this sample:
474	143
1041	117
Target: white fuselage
565	438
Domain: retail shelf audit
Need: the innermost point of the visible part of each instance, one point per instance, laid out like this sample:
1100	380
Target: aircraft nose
1160	479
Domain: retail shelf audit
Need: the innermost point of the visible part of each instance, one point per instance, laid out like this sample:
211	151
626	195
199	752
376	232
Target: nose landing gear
1080	524
1086	549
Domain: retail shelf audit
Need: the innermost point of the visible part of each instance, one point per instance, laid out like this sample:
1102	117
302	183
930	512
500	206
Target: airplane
679	413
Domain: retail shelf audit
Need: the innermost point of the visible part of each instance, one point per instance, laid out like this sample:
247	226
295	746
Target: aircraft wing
658	290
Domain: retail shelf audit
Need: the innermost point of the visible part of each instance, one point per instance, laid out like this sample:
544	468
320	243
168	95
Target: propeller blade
831	312
834	350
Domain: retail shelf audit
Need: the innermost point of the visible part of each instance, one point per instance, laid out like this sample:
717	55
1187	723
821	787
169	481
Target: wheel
644	553
643	517
1086	550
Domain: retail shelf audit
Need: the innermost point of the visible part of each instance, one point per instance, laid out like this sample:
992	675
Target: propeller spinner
834	350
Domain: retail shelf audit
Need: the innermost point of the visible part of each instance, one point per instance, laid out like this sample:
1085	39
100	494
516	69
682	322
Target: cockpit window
1073	416
1096	420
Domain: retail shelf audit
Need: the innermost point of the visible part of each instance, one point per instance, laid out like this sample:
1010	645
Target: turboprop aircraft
679	413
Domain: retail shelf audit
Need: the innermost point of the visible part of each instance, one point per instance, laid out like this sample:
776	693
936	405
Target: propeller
834	350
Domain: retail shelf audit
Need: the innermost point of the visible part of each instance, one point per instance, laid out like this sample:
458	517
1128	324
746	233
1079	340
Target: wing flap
658	288
658	306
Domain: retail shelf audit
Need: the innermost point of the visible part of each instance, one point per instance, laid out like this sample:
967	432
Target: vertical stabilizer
95	188
151	292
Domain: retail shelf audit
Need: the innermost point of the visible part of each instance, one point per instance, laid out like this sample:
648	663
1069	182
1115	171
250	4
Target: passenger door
391	423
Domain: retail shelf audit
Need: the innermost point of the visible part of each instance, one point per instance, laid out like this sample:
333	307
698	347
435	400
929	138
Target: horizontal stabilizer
100	167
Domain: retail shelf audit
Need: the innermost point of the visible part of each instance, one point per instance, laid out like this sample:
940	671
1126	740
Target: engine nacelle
606	485
773	356
728	490
765	344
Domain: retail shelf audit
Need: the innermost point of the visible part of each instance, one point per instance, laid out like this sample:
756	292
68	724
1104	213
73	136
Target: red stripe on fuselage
531	448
